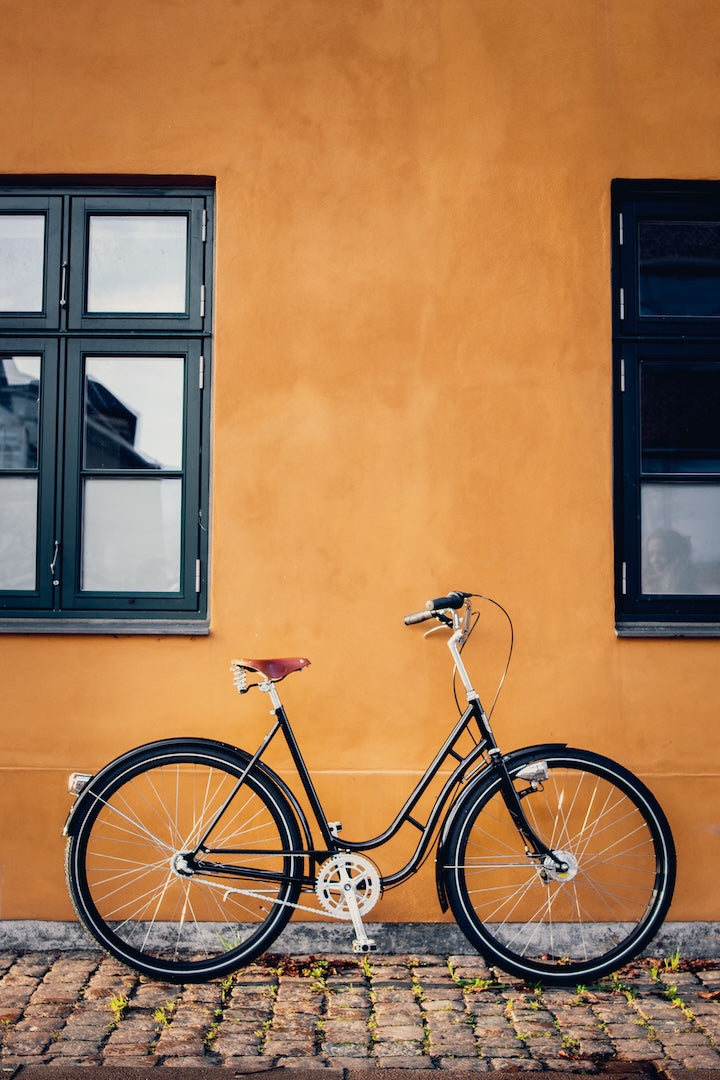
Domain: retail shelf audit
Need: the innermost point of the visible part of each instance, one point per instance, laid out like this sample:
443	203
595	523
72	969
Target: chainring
343	872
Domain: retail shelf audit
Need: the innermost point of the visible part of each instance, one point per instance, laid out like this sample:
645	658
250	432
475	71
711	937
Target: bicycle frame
485	751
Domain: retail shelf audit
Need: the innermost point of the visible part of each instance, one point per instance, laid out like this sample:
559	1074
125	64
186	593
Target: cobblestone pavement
410	1012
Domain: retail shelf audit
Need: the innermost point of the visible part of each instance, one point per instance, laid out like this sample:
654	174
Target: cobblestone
343	1013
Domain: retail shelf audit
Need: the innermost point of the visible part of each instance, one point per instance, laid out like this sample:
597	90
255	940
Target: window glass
133	412
131	535
680	534
137	263
18	531
19	411
680	416
22	262
679	268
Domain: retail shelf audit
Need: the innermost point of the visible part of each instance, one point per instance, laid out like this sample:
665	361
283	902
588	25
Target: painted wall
411	388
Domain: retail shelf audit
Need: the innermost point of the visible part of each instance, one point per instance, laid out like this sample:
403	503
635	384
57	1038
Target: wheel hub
180	865
552	872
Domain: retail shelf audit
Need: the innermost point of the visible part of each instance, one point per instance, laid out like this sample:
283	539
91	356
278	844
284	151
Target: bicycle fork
534	773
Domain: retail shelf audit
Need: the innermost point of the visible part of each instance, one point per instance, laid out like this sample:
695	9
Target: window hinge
201	376
204	226
624	579
622	303
202	301
197	575
621	230
622	375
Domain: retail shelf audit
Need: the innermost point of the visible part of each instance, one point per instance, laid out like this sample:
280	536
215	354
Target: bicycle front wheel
536	922
131	877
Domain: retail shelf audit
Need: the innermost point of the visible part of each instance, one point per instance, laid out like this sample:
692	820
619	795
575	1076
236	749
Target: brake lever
448	624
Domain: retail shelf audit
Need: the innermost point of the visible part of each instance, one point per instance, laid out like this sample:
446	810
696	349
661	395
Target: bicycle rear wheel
128	874
562	928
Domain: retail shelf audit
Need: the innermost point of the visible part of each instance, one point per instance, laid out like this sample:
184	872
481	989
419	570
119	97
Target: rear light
77	781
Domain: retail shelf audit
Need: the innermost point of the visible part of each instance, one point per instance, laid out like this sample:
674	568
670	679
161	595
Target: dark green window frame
105	375
666	394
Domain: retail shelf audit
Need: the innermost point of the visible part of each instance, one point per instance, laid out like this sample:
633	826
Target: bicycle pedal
364	946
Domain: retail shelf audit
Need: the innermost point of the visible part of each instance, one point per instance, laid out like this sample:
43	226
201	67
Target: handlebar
418	616
434	607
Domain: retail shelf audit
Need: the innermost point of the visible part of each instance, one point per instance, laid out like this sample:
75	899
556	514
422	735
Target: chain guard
341	871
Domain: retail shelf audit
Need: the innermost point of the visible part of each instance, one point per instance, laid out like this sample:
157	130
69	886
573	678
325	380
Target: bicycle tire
123	873
529	920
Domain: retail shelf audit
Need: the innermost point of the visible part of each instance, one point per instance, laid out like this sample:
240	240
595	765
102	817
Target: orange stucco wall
411	385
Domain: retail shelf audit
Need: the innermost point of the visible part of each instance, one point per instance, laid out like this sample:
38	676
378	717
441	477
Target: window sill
644	629
114	627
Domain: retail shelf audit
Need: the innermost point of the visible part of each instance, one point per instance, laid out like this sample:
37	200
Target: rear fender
516	757
85	798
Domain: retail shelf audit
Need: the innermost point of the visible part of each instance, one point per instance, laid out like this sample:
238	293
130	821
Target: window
105	317
666	330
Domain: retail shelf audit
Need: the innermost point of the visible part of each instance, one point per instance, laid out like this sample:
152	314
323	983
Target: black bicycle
187	857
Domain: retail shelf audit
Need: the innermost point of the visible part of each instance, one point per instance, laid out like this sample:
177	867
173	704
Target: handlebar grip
452	600
417	616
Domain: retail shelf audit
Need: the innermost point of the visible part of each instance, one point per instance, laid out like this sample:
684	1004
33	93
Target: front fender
96	783
524	755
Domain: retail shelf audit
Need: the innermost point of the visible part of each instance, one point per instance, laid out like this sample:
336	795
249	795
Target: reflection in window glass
133	412
680	411
18	531
679	268
19	411
131	535
22	262
137	264
680	534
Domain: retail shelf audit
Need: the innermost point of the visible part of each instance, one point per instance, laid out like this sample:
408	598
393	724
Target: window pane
680	416
134	412
137	263
680	532
19	411
18	531
22	261
131	535
679	268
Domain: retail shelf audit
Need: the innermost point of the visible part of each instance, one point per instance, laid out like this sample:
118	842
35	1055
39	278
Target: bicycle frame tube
330	843
485	750
333	843
465	763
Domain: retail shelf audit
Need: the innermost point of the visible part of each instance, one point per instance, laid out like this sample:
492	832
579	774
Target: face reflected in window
669	568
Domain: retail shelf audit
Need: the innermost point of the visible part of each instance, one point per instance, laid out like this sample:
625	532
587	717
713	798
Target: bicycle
186	857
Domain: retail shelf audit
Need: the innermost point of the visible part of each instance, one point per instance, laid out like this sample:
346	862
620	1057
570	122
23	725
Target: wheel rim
590	918
131	865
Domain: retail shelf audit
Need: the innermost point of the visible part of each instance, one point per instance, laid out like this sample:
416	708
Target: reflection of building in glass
131	524
18	417
110	431
110	426
125	527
